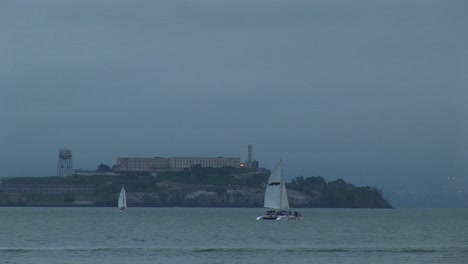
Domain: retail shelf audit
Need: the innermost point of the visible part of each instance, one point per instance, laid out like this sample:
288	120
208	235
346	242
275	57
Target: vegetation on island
338	193
194	187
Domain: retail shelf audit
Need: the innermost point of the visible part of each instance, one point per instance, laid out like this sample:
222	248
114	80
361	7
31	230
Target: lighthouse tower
249	156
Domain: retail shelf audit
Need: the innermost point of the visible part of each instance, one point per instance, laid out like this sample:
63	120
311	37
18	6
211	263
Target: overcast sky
374	92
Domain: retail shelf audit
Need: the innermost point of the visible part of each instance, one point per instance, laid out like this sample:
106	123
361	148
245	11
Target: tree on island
103	168
339	193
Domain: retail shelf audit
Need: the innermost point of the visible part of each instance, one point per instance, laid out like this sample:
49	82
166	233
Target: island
193	187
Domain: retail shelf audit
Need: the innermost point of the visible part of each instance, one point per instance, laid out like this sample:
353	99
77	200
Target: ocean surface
232	235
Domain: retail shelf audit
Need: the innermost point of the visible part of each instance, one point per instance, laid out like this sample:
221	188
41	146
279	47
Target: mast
281	184
284	202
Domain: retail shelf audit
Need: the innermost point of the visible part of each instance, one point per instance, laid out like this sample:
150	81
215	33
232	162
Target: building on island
173	164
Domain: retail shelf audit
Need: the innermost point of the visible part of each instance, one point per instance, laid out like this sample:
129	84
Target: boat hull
279	217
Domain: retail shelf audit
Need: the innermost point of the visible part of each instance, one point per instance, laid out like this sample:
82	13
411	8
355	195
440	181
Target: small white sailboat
276	198
122	202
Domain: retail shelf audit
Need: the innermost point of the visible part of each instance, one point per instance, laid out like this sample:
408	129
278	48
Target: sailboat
122	202
276	198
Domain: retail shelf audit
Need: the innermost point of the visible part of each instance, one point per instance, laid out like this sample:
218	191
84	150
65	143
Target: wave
317	250
209	249
366	250
402	250
69	249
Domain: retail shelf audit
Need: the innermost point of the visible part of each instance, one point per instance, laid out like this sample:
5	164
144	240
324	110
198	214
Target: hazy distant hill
195	187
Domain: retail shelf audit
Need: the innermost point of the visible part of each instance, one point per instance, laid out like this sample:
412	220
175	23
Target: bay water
231	235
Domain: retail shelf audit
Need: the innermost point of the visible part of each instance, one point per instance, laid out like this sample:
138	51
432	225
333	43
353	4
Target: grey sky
370	91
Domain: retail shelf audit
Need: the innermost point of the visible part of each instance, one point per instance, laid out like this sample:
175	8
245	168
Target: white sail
122	203
275	193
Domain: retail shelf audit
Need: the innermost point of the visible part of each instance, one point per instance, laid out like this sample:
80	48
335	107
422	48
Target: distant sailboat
122	203
276	198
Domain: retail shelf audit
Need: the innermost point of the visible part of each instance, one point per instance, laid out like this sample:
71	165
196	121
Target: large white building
174	163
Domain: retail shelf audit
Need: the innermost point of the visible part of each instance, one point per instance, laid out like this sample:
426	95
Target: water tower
65	165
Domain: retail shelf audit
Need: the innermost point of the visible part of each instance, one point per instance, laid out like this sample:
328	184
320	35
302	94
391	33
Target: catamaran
276	198
122	202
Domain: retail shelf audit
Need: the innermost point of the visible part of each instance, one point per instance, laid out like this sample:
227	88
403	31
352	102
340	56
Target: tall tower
65	165
249	156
